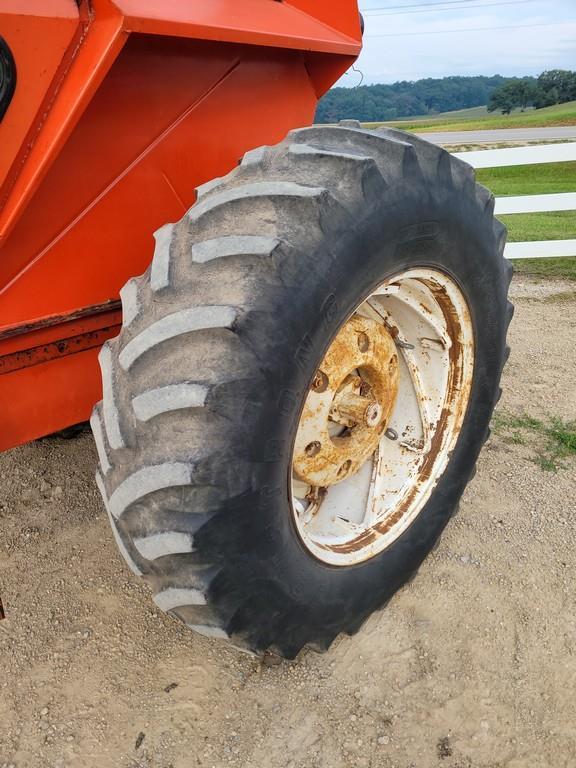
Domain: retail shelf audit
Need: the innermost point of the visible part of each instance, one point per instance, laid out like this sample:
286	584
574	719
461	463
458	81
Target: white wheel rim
350	520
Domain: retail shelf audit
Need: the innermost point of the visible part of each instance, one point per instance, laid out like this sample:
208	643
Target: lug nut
373	414
312	449
320	382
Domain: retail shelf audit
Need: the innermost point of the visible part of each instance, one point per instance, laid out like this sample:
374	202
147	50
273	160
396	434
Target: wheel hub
382	417
348	406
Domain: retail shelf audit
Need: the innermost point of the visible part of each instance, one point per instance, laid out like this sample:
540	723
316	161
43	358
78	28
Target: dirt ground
473	665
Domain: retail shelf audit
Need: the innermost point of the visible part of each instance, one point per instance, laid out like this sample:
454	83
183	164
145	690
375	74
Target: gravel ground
473	665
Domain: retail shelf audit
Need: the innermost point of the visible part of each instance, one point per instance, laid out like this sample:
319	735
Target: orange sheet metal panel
138	123
86	64
341	15
45	398
311	27
90	225
38	35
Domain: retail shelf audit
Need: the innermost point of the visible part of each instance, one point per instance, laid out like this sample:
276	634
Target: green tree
406	98
504	99
558	84
544	98
515	94
432	95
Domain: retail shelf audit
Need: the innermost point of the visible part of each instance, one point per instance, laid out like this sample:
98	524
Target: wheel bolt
363	342
320	382
312	449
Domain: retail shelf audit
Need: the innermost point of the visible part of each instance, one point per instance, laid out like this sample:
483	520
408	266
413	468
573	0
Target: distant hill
372	103
472	113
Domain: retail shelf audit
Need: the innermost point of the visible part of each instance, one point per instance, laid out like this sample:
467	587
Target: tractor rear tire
222	337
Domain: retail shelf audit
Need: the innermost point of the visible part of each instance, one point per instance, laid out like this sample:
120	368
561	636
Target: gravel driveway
472	665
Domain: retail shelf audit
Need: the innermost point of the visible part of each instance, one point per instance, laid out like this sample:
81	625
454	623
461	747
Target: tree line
373	103
555	86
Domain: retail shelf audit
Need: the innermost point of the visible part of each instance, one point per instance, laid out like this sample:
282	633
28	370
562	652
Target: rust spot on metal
360	396
49	321
320	383
46	352
365	538
363	342
425	308
454	385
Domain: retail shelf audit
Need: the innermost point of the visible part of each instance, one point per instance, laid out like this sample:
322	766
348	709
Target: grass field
565	268
472	113
554	225
546	178
560	114
538	179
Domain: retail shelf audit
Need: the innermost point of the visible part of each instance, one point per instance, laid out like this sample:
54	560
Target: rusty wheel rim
382	416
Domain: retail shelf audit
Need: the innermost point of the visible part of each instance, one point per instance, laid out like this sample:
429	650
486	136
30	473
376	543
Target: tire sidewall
412	227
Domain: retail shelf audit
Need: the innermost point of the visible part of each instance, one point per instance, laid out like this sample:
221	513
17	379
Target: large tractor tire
303	382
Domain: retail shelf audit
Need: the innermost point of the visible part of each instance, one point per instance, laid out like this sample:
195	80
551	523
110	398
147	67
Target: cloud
413	46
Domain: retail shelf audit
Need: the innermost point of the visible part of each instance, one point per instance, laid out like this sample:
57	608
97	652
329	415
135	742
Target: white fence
540	153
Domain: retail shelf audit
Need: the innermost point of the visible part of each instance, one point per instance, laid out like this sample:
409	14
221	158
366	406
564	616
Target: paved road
505	134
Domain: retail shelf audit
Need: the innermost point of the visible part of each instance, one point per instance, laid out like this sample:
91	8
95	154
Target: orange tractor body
112	112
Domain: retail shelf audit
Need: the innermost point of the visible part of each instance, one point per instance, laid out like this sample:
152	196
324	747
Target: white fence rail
540	153
565	201
540	249
537	153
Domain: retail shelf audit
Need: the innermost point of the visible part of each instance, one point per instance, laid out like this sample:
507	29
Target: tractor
288	338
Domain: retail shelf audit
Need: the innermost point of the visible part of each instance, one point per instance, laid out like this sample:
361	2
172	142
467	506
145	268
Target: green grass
565	267
559	114
553	225
553	440
544	178
538	179
472	113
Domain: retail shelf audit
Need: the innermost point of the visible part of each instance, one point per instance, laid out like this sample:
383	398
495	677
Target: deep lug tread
111	414
509	312
160	271
130	301
263	189
163	544
233	245
177	324
101	443
118	539
147	480
172	514
173	597
172	397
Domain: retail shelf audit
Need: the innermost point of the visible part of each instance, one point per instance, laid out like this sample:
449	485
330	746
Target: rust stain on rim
442	397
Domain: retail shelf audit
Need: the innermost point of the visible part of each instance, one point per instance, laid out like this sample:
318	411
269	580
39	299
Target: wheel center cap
348	405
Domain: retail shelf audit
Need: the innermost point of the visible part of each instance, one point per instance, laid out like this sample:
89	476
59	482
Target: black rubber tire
221	338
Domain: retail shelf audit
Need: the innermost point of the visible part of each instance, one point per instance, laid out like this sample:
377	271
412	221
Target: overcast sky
411	39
